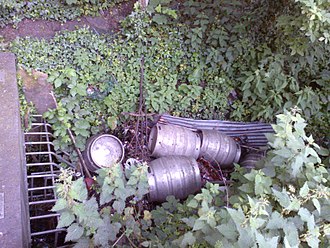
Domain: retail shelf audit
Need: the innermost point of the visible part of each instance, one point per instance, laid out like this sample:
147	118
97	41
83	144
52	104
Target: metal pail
250	160
167	140
219	148
103	150
173	175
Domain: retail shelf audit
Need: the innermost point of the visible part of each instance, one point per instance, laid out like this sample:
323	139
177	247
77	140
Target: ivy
12	12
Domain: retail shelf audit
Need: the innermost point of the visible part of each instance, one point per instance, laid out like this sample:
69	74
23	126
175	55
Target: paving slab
14	214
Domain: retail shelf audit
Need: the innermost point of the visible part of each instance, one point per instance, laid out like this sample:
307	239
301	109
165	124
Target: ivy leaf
160	19
66	219
188	239
81	89
74	232
146	244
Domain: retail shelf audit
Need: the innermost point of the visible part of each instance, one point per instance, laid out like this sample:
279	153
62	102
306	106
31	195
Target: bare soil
107	22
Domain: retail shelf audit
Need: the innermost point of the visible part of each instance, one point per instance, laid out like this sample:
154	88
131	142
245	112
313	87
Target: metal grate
42	171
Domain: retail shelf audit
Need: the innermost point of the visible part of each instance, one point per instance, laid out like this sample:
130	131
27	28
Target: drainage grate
42	171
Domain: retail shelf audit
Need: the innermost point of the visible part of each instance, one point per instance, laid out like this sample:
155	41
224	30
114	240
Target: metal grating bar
42	171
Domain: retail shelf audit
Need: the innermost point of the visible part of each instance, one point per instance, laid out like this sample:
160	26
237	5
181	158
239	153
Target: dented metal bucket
219	148
173	175
167	140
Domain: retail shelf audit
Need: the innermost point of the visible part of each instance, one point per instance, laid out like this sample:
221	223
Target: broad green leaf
59	205
294	205
106	194
276	221
228	230
237	216
265	242
291	238
83	243
193	203
160	19
78	190
188	239
74	232
303	192
317	205
199	224
106	232
304	214
297	164
66	219
282	197
119	206
313	241
256	223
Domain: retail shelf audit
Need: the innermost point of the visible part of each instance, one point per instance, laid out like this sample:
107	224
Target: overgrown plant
106	211
285	202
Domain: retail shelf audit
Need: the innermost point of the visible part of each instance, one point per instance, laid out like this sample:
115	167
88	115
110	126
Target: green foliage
12	12
285	202
111	211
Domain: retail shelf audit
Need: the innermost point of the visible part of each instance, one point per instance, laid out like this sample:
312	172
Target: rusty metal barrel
219	148
173	175
167	140
103	150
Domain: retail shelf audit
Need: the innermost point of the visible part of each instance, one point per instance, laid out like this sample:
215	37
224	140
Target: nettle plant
283	203
105	211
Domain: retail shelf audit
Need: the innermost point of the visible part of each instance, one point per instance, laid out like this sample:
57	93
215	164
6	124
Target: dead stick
141	85
81	159
138	114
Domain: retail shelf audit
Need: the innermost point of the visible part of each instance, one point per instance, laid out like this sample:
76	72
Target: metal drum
173	175
166	140
219	148
250	160
103	150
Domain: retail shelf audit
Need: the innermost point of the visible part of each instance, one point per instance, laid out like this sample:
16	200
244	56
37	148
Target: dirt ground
107	22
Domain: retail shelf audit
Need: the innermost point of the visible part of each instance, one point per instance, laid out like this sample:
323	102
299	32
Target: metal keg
103	150
219	148
167	140
173	175
250	160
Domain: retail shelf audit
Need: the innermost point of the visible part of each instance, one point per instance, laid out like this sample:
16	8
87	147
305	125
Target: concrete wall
14	211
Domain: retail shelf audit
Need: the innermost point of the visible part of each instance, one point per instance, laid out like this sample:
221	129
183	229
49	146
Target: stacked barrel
175	171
